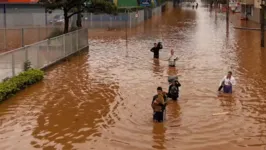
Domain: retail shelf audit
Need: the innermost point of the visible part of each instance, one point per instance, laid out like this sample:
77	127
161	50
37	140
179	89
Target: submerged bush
56	32
11	86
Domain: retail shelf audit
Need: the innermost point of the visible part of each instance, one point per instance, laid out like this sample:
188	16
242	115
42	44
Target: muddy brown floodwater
101	99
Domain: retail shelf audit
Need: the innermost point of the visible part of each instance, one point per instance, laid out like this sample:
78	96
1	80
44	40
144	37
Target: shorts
158	116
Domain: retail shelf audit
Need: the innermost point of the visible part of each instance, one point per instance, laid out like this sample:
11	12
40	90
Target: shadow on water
159	136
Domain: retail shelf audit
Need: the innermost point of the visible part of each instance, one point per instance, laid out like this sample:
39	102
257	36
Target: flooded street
101	99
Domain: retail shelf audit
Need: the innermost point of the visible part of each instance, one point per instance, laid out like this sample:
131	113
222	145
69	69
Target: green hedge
13	85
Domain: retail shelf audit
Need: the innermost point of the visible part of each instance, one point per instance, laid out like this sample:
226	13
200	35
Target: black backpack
174	90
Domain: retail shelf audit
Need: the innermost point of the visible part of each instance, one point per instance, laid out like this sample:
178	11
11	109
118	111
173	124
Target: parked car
58	20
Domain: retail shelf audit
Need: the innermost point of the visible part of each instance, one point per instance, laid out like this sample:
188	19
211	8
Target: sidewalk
235	19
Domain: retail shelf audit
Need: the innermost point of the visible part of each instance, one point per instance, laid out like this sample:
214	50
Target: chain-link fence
131	19
14	16
43	53
43	24
12	38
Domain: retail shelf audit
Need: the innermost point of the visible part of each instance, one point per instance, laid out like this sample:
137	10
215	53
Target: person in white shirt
227	83
172	59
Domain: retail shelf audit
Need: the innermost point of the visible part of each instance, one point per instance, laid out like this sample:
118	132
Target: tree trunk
79	25
66	21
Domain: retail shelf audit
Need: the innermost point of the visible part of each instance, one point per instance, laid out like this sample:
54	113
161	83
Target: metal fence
43	53
12	38
132	19
26	16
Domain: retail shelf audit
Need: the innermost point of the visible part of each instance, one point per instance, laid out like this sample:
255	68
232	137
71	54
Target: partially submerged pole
262	23
227	12
126	22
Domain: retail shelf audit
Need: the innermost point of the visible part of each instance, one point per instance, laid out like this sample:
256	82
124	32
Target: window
249	10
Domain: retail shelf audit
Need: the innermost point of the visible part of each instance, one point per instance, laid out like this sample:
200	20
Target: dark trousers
228	89
158	116
156	56
173	97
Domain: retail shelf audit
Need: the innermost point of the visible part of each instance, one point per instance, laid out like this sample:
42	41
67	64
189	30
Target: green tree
73	7
96	6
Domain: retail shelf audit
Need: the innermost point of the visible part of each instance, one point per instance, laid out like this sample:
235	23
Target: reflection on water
157	69
158	136
172	71
101	99
53	125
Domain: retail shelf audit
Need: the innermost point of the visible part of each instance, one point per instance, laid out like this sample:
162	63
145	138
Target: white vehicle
58	19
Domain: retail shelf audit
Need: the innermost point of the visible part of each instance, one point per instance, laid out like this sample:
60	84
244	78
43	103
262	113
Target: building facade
251	9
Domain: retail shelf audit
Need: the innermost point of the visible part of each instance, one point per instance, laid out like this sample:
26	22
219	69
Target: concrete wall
256	15
22	15
256	11
19	16
157	11
147	13
257	3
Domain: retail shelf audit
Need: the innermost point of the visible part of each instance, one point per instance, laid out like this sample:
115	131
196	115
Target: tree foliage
72	7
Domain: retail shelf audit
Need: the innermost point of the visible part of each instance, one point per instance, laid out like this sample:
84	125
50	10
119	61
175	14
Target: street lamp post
262	23
5	24
4	15
227	13
126	22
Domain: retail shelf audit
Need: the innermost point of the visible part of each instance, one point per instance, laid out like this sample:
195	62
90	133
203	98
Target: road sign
145	2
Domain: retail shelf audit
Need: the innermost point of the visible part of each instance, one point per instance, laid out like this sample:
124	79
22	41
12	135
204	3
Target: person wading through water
227	83
172	59
156	49
158	105
173	92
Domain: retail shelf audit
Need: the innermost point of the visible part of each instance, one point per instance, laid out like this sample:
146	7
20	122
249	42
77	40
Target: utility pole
5	38
126	22
262	22
227	13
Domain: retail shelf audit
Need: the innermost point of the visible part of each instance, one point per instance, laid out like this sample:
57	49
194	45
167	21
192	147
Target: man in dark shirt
158	116
156	50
